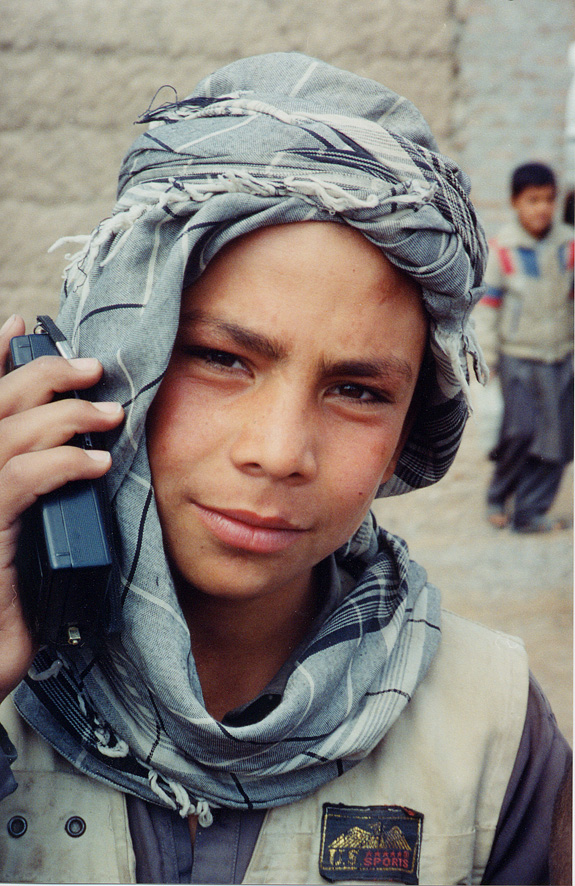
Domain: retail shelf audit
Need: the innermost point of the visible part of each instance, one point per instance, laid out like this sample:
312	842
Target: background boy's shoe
497	517
544	524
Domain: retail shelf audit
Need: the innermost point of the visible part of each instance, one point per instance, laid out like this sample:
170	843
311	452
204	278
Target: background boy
525	324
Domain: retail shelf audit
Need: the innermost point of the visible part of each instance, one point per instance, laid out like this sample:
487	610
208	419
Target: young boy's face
283	407
535	208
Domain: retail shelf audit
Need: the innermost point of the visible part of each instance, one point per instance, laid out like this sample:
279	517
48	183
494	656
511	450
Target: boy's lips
249	531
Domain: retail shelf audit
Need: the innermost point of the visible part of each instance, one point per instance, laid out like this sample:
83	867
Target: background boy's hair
531	175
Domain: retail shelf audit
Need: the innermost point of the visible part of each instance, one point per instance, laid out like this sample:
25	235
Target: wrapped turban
268	140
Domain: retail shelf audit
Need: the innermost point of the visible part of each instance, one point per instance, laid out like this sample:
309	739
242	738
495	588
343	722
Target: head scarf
268	140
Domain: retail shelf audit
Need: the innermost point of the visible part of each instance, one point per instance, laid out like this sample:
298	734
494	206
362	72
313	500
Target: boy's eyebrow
268	347
384	368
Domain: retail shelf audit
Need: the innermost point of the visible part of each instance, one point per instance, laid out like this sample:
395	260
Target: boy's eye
359	393
215	358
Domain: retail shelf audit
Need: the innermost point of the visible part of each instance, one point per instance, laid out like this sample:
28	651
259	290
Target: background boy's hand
34	460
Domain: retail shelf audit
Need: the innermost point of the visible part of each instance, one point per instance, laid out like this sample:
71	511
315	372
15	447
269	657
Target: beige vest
449	757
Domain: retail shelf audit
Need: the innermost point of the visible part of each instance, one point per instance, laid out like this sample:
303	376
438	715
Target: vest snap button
17	826
75	826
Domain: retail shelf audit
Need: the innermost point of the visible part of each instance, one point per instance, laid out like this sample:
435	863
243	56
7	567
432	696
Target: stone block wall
75	74
513	78
491	76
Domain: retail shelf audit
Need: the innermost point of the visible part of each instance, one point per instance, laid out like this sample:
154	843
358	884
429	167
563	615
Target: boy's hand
34	460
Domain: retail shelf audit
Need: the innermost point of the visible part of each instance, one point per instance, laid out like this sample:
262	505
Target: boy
280	304
526	321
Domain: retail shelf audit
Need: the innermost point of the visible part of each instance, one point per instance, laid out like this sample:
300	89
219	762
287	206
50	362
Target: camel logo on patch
370	843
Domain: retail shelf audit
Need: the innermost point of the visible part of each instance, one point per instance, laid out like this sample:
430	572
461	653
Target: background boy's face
283	406
535	208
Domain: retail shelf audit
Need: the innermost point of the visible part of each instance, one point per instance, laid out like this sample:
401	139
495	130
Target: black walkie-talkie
64	556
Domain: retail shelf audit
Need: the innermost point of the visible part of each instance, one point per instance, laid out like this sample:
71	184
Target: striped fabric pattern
132	721
273	139
567	256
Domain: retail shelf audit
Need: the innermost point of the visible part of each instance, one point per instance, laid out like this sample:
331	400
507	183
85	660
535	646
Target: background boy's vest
527	311
448	757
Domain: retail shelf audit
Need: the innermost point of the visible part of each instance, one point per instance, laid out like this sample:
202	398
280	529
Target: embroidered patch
370	843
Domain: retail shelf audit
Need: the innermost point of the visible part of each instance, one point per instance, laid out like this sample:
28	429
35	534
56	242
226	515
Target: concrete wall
75	74
513	78
489	75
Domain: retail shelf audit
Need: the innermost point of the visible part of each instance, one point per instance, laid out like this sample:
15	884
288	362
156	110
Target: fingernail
6	326
106	406
98	454
84	363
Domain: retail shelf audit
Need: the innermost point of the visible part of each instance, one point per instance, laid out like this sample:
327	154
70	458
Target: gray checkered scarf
268	140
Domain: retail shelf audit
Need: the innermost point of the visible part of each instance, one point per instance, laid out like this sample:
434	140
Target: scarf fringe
181	799
54	669
449	351
334	198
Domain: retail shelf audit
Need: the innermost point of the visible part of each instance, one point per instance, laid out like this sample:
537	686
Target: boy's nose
278	437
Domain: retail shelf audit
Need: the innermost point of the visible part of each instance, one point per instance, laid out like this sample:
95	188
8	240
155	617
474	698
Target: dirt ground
521	584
